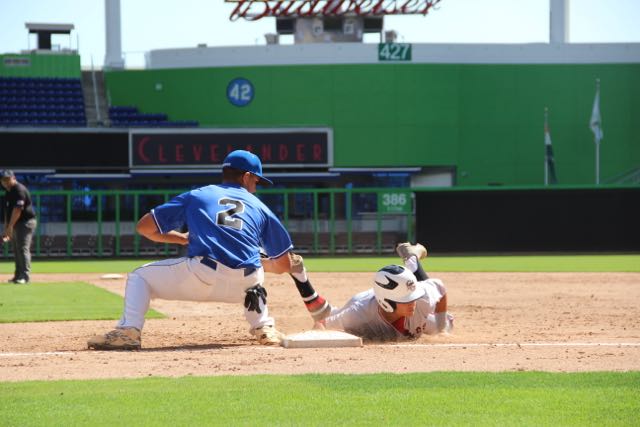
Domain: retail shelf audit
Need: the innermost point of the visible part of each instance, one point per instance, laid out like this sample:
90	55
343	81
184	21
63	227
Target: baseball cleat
297	263
449	328
268	335
117	339
406	250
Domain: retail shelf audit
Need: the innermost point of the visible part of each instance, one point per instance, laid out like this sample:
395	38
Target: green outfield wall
485	120
40	65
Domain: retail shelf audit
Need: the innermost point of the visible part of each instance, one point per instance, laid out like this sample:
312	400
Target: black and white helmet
395	283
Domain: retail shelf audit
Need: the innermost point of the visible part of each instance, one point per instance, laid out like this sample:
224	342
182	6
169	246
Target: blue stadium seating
41	101
129	116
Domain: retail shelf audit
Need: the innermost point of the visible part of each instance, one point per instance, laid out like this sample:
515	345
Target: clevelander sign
252	10
294	148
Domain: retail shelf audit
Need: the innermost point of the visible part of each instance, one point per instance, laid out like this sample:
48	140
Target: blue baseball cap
245	161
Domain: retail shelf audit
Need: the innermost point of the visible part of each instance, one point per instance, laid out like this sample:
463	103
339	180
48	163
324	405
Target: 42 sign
394	52
240	92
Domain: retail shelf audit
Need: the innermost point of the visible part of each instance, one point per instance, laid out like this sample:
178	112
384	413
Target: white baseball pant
188	279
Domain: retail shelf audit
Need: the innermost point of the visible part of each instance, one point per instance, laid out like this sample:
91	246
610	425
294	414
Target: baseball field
538	340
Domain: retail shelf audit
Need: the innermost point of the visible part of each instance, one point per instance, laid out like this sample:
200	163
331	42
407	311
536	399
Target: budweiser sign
252	10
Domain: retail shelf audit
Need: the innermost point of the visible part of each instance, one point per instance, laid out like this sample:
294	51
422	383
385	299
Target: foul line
408	345
46	353
527	344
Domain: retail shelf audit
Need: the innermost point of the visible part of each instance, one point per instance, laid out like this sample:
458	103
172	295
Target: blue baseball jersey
226	223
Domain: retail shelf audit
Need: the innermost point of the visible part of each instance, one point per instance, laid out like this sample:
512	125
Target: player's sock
300	276
442	321
318	307
415	267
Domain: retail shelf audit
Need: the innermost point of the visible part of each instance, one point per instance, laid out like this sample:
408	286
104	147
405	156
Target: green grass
524	263
78	266
441	398
40	302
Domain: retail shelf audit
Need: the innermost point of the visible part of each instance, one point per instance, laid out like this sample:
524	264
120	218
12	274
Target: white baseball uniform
361	316
188	279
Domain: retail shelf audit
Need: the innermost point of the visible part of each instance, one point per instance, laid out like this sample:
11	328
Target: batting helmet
393	284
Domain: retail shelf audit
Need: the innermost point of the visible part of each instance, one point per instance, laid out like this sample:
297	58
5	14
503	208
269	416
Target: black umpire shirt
18	196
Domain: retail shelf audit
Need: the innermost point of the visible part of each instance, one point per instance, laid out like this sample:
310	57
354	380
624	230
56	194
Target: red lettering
252	10
235	14
408	6
361	8
197	152
300	152
283	11
213	153
249	148
317	152
238	12
283	153
161	157
265	153
253	16
428	4
392	9
378	8
179	153
141	145
351	7
332	7
311	12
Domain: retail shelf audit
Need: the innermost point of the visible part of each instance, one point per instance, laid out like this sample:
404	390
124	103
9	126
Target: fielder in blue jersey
227	226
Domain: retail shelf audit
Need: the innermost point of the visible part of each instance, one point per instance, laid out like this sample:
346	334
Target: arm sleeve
21	198
347	318
171	215
434	291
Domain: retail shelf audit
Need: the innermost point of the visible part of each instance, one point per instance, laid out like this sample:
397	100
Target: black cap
7	173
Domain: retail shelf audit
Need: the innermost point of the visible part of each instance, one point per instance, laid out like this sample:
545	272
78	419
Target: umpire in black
19	224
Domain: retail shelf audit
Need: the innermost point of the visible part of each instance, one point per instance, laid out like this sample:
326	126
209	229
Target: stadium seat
84	245
25	99
129	116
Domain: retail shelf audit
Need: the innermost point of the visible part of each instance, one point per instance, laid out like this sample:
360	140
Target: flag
596	122
550	164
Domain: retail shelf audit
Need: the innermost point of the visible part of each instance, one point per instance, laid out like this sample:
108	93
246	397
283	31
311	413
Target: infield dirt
503	322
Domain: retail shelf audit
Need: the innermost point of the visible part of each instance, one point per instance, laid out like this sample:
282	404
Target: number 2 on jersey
225	217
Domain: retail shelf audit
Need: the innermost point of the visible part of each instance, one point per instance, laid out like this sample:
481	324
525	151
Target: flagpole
597	162
597	134
546	162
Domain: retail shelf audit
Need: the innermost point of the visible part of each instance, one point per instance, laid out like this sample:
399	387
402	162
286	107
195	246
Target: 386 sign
395	202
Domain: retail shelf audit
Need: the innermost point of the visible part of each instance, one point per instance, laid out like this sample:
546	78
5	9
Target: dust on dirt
503	322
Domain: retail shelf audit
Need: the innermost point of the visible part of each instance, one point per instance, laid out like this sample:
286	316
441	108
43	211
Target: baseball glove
253	297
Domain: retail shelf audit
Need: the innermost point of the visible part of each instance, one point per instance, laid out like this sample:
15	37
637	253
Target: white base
321	338
112	276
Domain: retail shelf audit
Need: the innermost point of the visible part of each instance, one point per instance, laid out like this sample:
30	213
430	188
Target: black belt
214	265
